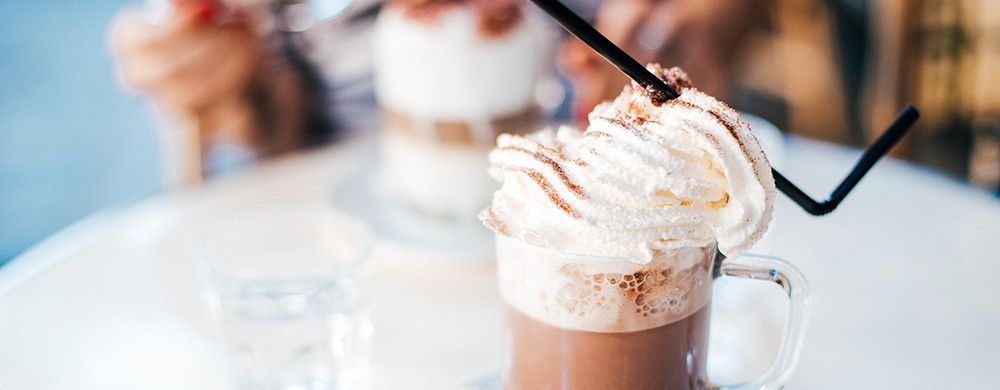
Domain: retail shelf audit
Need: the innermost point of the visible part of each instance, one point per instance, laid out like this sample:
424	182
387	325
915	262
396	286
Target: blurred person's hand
194	62
701	36
208	66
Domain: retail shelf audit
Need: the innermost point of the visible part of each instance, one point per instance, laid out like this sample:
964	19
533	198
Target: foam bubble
600	294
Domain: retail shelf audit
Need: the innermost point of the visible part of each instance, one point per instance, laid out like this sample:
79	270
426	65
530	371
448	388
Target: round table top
902	288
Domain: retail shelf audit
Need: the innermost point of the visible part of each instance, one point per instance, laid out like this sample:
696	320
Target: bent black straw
886	141
661	91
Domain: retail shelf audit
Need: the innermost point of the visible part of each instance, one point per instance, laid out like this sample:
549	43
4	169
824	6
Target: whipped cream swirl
642	178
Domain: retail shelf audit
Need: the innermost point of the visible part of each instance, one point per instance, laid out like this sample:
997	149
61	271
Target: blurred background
72	143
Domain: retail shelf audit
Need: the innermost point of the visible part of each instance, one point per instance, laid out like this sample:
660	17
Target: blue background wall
70	142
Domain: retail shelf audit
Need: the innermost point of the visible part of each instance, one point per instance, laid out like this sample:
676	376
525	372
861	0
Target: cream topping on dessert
643	178
446	71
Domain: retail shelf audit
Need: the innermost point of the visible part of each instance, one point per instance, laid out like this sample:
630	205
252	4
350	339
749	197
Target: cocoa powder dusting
562	175
491	221
626	124
674	77
656	96
541	157
719	118
550	192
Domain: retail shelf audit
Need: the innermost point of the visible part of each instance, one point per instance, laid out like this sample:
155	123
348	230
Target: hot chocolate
606	238
548	357
576	322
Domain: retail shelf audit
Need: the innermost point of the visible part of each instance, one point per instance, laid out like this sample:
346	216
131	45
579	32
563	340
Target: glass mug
584	322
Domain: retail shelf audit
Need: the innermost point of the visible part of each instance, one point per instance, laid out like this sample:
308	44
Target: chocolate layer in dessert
459	133
495	16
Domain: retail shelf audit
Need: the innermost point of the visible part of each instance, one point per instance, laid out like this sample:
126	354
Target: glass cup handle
792	281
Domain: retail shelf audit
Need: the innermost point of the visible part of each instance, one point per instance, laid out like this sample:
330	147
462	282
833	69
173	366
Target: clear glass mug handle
792	281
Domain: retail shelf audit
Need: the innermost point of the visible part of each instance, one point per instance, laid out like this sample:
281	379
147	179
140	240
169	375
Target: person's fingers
154	68
131	34
126	26
594	78
588	95
189	55
136	34
580	63
123	29
216	67
194	12
186	51
576	57
190	61
142	47
688	33
229	74
598	84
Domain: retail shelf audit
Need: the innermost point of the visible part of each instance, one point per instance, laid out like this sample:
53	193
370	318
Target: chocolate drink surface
667	357
582	322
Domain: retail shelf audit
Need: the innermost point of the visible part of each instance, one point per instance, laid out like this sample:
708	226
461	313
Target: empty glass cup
287	289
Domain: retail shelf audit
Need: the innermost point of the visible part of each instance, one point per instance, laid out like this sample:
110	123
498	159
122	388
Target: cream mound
448	70
642	179
598	295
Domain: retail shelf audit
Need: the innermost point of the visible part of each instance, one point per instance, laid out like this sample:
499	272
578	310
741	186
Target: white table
903	281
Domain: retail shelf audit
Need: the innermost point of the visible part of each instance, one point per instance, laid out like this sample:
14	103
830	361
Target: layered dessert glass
450	76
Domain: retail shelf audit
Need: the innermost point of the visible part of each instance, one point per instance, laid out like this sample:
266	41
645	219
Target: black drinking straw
621	60
573	23
886	141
